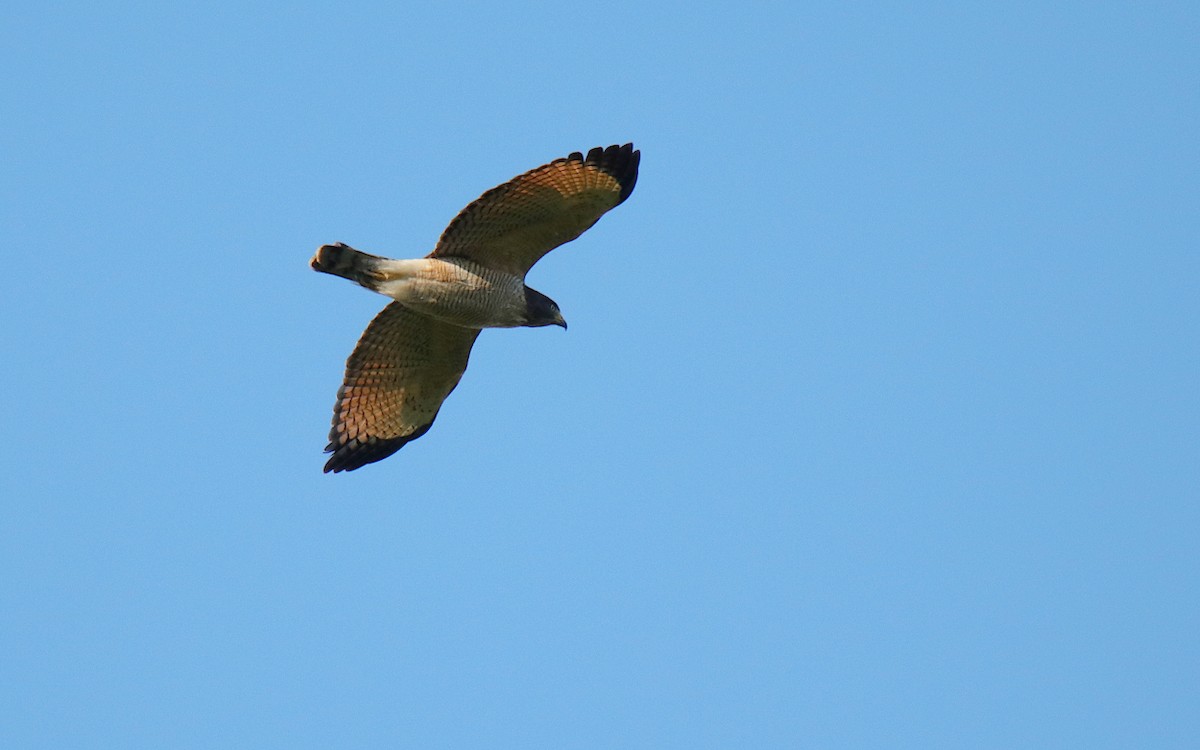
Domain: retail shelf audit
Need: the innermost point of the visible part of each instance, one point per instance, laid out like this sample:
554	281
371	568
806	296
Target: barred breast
456	291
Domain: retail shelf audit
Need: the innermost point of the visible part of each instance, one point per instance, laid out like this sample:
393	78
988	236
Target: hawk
414	352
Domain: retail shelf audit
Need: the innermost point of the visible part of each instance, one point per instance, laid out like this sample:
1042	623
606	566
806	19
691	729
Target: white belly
457	292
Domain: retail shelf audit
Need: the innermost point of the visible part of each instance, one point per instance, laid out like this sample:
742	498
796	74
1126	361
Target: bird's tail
342	260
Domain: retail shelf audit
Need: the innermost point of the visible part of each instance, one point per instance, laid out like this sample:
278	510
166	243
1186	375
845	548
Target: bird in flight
414	352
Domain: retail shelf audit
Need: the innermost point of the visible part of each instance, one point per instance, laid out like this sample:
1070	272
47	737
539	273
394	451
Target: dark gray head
540	310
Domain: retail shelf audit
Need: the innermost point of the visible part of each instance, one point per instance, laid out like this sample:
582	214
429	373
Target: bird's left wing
403	368
510	227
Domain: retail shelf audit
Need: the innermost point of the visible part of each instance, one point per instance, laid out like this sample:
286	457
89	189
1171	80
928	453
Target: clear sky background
877	424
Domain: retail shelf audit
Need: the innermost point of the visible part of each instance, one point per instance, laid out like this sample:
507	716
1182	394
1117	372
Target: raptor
412	355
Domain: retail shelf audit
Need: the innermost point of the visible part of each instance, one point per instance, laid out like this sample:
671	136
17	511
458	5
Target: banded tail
342	260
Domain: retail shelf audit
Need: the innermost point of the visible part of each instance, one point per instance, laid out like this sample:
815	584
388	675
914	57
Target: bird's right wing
403	368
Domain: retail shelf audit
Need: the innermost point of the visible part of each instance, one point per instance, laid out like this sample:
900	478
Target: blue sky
876	424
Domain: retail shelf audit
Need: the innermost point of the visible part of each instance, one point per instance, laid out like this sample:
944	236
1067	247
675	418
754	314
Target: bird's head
540	310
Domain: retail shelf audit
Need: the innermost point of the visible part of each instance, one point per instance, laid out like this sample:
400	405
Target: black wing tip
356	453
619	161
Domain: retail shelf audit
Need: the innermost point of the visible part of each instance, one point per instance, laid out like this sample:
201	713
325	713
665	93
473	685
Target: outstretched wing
403	368
510	227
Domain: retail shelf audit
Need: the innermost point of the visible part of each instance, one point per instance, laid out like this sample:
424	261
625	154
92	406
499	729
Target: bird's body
454	290
413	354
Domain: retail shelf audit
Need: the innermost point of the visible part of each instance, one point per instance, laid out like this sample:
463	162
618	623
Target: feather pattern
403	368
511	227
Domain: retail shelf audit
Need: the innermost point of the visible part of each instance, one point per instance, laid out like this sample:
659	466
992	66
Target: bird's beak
561	322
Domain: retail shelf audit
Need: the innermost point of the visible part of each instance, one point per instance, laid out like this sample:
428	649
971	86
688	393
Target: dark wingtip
355	453
619	161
